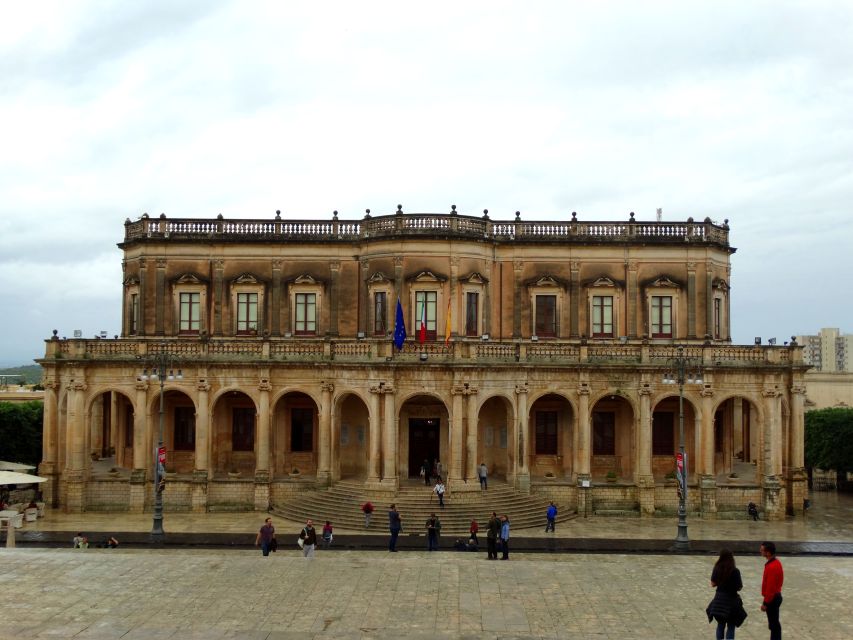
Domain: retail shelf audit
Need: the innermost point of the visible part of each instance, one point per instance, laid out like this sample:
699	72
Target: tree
21	431
829	440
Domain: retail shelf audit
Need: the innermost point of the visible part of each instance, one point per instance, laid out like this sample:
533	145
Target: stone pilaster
375	437
772	498
390	427
160	297
202	429
708	496
645	478
325	439
575	296
691	300
522	478
470	392
275	299
631	292
456	436
518	270
199	492
334	296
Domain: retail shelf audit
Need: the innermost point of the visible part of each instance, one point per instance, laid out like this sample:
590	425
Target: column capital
522	388
645	390
203	386
770	393
583	389
706	392
141	385
469	389
518	265
798	389
52	385
327	387
264	385
335	265
379	389
161	263
79	386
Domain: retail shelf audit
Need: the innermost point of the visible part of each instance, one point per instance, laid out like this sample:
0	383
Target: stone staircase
341	504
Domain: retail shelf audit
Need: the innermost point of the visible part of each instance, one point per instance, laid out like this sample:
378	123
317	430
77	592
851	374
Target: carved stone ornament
426	276
203	386
547	281
246	278
378	278
720	285
189	278
131	281
474	278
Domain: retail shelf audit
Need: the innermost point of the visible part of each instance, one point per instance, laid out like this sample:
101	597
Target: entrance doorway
423	443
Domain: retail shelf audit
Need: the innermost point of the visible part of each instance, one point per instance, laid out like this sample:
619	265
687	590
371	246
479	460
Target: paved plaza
136	594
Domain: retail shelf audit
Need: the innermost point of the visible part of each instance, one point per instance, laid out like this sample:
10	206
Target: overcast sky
733	110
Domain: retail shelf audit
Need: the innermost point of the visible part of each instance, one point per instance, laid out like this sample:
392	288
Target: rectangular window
134	314
546	432
663	433
546	316
306	314
301	429
247	313
184	429
380	313
430	299
472	311
190	313
603	433
242	429
718	318
661	316
602	316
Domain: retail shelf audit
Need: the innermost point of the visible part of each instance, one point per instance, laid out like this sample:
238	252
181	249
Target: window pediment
720	285
474	278
131	281
547	281
307	279
426	276
189	278
247	278
663	282
604	282
378	278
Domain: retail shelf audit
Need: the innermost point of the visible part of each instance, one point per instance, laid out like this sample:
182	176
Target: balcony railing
425	224
465	351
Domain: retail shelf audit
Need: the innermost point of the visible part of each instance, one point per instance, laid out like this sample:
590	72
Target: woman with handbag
726	607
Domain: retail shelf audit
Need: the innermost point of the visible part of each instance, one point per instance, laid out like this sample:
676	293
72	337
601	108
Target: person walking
367	510
551	516
483	473
752	510
771	589
493	534
309	537
426	470
395	524
473	530
433	527
439	469
327	535
505	536
439	491
265	537
726	607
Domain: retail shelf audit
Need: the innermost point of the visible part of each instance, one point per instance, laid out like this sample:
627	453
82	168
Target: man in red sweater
771	589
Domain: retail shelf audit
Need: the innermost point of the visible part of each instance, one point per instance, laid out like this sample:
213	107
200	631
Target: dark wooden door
423	442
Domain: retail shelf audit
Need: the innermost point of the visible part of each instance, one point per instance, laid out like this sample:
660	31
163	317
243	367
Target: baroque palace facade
548	351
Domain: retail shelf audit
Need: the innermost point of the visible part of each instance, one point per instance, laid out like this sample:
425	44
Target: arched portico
295	442
179	429
550	436
665	436
351	441
234	433
494	427
738	439
424	434
612	427
111	417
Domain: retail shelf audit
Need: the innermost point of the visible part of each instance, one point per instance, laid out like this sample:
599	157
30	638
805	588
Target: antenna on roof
659	214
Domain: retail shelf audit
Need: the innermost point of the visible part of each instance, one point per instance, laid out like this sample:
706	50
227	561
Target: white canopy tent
15	477
15	466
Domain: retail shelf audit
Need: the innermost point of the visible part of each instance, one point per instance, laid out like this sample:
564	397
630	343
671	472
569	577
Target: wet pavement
827	529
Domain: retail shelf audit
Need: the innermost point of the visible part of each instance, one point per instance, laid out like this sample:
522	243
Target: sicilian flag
447	325
399	327
422	329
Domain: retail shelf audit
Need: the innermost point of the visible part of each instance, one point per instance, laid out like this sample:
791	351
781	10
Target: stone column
771	485
364	309
202	469
645	477
631	291
141	328
375	435
522	422
218	295
575	296
96	427
334	297
709	303
137	474
160	297
275	299
262	456
49	467
691	299
797	480
325	439
471	431
518	270
389	427
707	478
76	442
583	450
456	437
114	426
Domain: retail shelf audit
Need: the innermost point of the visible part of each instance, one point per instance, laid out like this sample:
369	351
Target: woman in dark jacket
726	607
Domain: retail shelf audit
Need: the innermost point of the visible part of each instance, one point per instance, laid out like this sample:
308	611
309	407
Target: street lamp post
160	367
684	370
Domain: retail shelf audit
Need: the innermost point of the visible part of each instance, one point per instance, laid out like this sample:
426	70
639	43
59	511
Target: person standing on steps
439	491
426	470
771	589
483	473
309	535
265	537
493	534
505	536
551	516
395	525
328	535
367	510
439	469
433	527
473	531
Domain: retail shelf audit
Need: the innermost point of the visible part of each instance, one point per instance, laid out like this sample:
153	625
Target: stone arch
424	433
350	436
295	427
550	436
179	428
281	392
495	429
613	430
664	439
233	432
738	420
110	412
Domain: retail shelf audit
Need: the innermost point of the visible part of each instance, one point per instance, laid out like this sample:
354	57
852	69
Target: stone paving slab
105	594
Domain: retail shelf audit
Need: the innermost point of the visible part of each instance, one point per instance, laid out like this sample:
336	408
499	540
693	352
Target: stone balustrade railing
424	224
558	352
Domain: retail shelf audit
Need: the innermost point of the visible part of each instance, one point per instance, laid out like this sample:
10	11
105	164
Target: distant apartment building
830	351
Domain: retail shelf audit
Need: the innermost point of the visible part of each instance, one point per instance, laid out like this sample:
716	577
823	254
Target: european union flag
399	327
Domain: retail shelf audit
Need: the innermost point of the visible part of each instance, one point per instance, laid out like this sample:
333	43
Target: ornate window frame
248	283
548	285
380	283
719	302
604	287
189	283
473	283
663	286
132	312
307	284
427	282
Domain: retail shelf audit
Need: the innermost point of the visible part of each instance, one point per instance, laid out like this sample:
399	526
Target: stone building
543	349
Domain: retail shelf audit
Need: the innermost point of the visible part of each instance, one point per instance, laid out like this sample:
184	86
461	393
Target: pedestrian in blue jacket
551	514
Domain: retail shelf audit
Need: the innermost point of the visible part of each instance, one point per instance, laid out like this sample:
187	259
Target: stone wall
112	494
231	495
